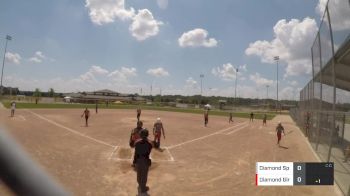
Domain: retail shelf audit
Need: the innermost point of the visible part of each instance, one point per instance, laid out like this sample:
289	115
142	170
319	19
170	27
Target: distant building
104	95
222	103
9	91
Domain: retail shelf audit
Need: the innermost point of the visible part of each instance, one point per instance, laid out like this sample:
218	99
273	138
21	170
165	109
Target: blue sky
128	45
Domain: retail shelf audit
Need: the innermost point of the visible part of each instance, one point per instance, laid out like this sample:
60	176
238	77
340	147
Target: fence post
320	101
343	131
334	85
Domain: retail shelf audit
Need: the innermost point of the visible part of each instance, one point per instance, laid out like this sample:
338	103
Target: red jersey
158	126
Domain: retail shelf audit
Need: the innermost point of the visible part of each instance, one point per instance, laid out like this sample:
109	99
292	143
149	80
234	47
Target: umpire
143	149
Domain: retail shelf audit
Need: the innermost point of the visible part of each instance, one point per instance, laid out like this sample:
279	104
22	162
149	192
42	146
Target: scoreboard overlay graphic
294	173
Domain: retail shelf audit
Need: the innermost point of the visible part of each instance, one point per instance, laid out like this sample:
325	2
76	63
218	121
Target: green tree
51	92
37	94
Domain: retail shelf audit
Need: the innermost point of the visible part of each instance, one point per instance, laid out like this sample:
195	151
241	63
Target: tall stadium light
151	90
277	58
3	62
267	96
267	91
236	84
201	76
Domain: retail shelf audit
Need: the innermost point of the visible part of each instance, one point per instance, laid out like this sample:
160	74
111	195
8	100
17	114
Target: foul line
203	137
22	117
233	127
171	156
110	156
71	130
234	131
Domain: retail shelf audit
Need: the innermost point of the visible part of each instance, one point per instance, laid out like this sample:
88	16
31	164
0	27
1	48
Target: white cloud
94	79
338	11
242	68
87	77
158	72
144	25
289	93
38	57
13	58
39	54
292	44
107	11
90	75
35	60
190	82
293	83
95	69
162	4
226	72
196	38
60	84
260	81
123	74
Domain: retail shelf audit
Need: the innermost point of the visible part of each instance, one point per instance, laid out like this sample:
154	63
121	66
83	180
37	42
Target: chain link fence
323	111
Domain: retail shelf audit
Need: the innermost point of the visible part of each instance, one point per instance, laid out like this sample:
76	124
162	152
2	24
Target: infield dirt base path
196	160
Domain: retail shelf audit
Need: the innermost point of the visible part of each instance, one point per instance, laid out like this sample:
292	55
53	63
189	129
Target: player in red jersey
157	132
86	113
279	130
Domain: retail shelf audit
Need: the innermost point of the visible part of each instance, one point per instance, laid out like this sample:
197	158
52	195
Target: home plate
159	155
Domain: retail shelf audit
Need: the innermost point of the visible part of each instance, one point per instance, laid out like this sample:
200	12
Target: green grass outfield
20	105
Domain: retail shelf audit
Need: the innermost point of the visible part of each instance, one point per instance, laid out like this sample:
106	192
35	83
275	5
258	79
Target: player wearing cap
96	107
13	108
138	112
206	117
135	133
86	113
279	130
157	132
251	116
143	148
230	119
264	119
134	136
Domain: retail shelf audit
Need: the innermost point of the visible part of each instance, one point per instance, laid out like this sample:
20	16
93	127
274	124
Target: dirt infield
217	160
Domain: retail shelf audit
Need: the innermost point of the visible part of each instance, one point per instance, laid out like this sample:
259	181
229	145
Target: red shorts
157	134
279	135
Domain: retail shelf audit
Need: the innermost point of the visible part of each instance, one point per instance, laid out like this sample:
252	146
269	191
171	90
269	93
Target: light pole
267	96
267	91
236	85
201	76
3	62
277	58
